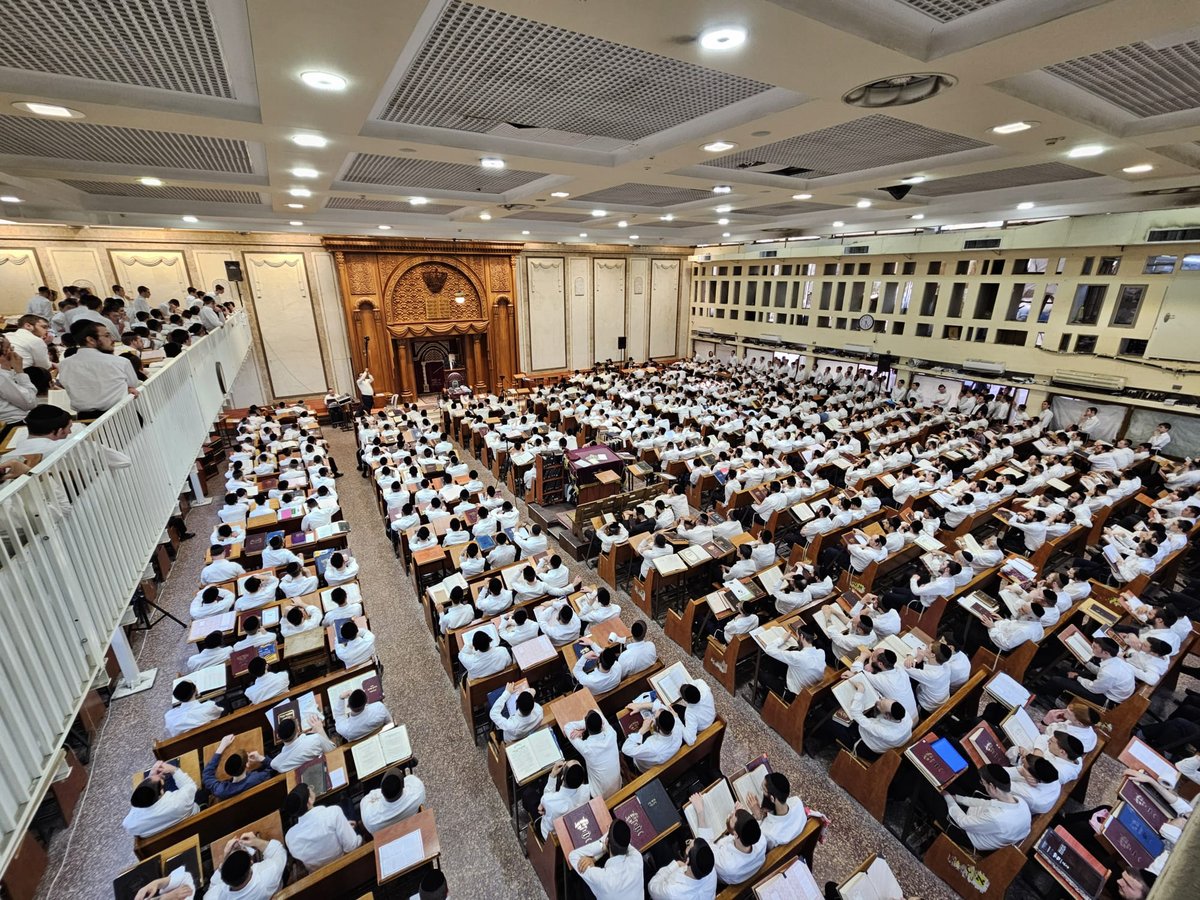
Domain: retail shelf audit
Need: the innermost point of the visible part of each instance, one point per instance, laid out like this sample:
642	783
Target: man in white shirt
995	822
397	797
596	741
691	878
780	815
481	658
622	875
154	808
39	304
18	395
298	748
566	789
266	684
354	717
321	834
29	341
876	729
1036	782
637	653
189	712
241	877
95	379
805	662
518	719
1114	679
741	849
221	568
356	646
655	742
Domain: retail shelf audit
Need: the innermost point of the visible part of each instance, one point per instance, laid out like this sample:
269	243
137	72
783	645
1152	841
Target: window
795	294
1129	301
808	292
1191	263
733	314
1132	347
889	297
957	295
847	268
909	268
1086	268
1062	265
1040	339
1030	266
1085	343
751	293
720	313
841	323
1108	265
952	332
737	293
754	270
924	329
810	269
839	299
1047	303
801	320
826	293
722	270
873	298
993	267
829	269
935	268
929	299
725	292
781	294
1019	302
1064	343
985	300
1011	336
1159	265
906	297
856	295
881	327
864	268
980	335
897	328
1085	308
965	267
889	268
822	321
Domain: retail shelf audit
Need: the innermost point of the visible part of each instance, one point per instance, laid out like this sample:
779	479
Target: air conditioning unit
704	331
770	339
856	249
986	366
1088	380
858	348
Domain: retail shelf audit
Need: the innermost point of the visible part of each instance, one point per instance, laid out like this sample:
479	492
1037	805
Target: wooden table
599	632
422	822
335	759
572	707
269	827
243	743
189	764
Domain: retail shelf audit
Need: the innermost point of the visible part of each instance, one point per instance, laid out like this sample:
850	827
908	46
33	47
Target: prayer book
533	754
583	825
718	806
385	748
670	564
937	759
876	883
1071	862
844	692
368	681
1131	837
202	628
667	682
1140	755
528	654
984	746
1020	728
1007	690
208	680
1077	642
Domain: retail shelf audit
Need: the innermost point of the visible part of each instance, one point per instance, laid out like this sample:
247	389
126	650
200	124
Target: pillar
408	384
480	383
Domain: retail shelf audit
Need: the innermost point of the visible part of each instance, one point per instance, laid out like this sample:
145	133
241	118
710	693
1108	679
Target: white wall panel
284	310
637	309
211	271
83	268
579	312
329	299
19	280
608	308
664	306
163	271
547	318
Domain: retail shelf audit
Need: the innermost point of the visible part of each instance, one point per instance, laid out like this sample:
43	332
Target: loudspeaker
898	191
621	342
884	362
233	270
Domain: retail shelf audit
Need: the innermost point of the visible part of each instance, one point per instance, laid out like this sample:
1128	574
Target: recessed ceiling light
185	218
801	196
839	224
1084	150
722	221
633	237
622	224
599	213
915	179
309	140
9	198
305	172
722	189
524	232
918	217
724	38
50	110
583	234
485	216
1025	205
718	146
492	162
725	234
300	192
1128	170
863	204
323	81
295	222
667	218
417	201
560	194
1013	127
295	206
385	227
724	208
150	181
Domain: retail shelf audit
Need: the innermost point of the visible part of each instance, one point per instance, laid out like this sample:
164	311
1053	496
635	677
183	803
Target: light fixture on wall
524	232
460	299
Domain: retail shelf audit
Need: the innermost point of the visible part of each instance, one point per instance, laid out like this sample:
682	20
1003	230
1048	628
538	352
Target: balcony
68	570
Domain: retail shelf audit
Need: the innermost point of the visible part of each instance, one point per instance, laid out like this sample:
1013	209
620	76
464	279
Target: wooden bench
215	821
930	618
801	846
790	720
868	782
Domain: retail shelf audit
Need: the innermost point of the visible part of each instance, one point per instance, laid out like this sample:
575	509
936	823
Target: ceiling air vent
1158	235
767	253
981	244
899	90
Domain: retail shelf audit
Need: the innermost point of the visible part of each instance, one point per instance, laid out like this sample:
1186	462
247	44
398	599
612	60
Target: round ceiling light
801	196
305	172
150	181
309	140
726	37
899	90
323	81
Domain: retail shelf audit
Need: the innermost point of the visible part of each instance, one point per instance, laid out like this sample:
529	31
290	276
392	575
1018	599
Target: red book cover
239	661
924	757
641	829
630	722
1139	796
988	745
373	688
582	826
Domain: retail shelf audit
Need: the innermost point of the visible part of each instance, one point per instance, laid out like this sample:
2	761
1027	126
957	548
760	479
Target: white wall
284	310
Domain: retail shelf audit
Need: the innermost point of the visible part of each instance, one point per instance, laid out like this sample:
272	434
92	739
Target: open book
771	579
1007	690
928	542
1020	728
876	883
750	783
353	595
202	628
207	680
671	564
967	542
667	682
770	635
844	692
1077	642
804	512
718	806
1140	755
694	555
387	748
533	754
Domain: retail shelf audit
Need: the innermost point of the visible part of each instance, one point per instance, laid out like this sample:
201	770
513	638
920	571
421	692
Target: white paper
1007	690
337	778
400	854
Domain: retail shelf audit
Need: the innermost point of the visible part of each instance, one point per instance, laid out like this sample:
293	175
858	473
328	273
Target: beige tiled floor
479	852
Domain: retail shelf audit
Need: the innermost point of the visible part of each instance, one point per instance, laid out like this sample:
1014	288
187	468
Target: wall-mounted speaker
233	270
621	342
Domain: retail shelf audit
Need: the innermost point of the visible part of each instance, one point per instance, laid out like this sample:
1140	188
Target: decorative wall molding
148	260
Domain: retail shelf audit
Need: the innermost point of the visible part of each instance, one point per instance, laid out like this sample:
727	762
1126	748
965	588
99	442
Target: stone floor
480	855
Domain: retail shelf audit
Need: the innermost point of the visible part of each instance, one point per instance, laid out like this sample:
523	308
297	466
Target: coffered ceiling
607	103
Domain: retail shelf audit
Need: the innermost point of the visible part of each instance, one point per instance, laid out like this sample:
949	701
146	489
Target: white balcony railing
66	578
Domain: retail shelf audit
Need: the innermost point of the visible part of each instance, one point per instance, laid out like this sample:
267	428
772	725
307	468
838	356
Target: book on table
1062	854
1131	837
694	555
1008	690
632	721
979	604
771	579
353	595
1147	802
1077	642
937	759
667	682
641	827
769	636
928	542
844	692
533	754
793	882
718	806
1100	612
968	543
671	564
740	590
803	512
832	619
984	746
1141	756
239	660
720	602
388	747
658	806
750	783
303	642
875	883
202	628
487	628
887	479
297	708
1020	728
1012	601
1019	568
583	825
369	682
901	646
315	774
208	680
534	651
